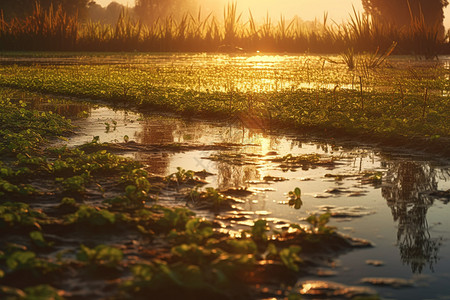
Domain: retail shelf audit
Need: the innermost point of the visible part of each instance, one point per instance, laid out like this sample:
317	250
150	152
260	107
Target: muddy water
408	225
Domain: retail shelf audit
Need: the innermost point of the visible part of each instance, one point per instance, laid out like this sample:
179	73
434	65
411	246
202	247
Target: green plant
295	198
91	216
20	215
74	184
24	260
210	198
259	231
289	257
43	291
182	176
38	239
136	192
101	255
319	223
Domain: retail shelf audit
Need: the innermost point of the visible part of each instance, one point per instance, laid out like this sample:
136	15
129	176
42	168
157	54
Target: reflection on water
406	194
405	189
234	176
68	109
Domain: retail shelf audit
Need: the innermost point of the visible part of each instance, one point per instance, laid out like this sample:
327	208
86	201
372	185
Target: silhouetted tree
150	10
401	12
109	14
22	8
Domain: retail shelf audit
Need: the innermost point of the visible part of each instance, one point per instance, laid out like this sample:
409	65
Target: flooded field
397	200
392	202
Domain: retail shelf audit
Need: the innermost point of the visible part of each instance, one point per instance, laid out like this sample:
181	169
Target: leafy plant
91	216
74	184
101	255
259	231
182	176
210	198
24	260
295	198
43	291
319	223
38	239
20	215
289	257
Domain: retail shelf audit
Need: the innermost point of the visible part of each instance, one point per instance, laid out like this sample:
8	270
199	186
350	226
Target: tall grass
52	29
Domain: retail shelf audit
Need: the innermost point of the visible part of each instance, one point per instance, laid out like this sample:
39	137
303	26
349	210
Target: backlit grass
54	30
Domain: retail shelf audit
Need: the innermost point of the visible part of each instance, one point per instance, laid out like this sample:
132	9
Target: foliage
50	29
24	260
91	216
136	191
101	255
316	94
182	176
259	231
22	129
20	215
210	198
165	251
319	223
289	257
400	13
295	198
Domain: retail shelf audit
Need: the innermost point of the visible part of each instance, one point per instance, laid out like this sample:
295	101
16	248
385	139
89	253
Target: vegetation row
53	29
352	93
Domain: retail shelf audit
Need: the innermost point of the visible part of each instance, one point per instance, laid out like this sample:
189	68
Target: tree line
398	13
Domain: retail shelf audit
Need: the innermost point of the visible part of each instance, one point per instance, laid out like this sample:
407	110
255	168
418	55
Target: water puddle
397	201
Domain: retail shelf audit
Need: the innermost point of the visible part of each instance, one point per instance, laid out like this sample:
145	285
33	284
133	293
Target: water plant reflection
406	195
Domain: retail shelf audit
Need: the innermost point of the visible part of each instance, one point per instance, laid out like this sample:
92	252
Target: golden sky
338	10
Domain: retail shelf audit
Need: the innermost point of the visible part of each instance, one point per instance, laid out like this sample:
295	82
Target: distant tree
150	10
400	12
109	14
22	8
96	12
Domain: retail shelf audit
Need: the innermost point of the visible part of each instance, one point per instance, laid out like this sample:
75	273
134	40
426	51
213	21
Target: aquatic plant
319	223
365	101
87	215
210	198
17	214
289	257
101	255
259	231
295	198
182	176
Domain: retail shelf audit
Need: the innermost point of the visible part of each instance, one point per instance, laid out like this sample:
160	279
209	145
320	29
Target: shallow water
409	227
257	73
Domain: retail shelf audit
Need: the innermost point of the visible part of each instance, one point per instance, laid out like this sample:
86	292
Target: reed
52	29
48	29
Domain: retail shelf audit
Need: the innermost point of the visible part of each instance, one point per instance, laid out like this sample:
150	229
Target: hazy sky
338	10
